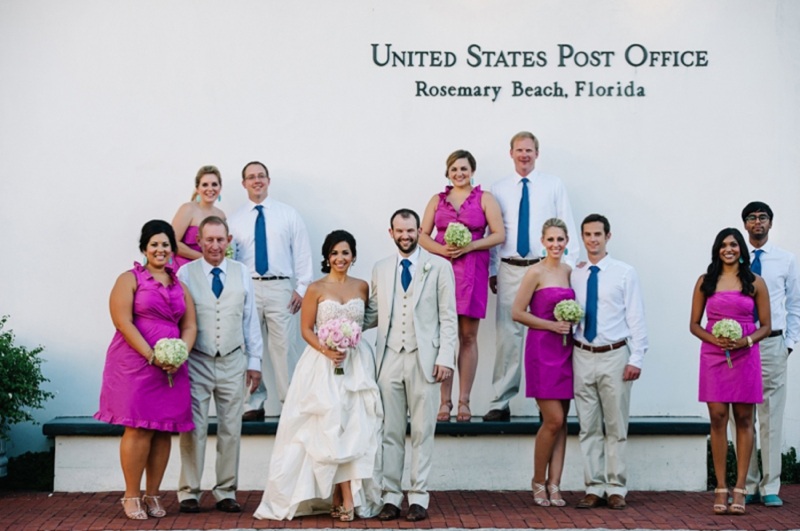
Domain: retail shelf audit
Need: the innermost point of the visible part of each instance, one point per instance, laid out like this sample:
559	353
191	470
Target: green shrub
30	471
20	379
790	468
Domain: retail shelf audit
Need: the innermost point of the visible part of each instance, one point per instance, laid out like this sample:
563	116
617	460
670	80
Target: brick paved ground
459	509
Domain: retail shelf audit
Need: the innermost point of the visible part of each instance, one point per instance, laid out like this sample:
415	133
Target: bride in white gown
327	447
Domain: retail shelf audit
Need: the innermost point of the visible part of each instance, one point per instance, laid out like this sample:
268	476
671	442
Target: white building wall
108	109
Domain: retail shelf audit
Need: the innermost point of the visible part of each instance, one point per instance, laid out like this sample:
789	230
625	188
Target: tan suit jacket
434	306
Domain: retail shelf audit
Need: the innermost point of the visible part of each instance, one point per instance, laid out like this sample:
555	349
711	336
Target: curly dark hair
332	240
157	226
746	277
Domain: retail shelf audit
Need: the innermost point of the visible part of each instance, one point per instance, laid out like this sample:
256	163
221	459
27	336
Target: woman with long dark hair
730	370
329	433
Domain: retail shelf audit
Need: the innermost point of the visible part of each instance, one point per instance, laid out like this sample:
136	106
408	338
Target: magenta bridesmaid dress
190	240
548	361
741	383
135	393
472	269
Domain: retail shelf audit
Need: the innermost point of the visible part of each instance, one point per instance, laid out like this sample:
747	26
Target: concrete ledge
71	426
663	454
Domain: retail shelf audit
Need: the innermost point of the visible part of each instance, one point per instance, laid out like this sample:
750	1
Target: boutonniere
425	269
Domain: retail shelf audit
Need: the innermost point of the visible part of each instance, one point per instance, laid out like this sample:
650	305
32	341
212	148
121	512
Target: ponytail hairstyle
555	222
204	171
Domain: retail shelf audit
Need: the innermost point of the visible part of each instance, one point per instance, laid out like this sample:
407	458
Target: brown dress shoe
498	415
254	415
416	513
229	505
590	501
189	506
616	501
389	512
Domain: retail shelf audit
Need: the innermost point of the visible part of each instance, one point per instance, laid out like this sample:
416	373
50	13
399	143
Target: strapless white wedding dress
329	431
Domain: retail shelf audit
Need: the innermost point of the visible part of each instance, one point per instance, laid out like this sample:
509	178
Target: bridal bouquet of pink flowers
339	334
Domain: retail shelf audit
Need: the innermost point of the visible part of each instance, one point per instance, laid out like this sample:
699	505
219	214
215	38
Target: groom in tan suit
413	293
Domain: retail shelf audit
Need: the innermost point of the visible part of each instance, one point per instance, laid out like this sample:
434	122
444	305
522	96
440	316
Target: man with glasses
272	242
780	271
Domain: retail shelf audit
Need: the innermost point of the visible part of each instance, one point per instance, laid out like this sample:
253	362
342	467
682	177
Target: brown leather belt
270	278
520	262
775	333
604	348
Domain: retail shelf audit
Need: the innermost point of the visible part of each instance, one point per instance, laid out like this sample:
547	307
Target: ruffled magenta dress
135	393
548	361
190	240
742	382
472	269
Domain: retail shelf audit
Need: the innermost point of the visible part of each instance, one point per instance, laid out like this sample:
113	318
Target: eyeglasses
252	178
763	218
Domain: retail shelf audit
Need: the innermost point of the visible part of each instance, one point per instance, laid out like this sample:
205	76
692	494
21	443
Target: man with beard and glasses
781	273
413	304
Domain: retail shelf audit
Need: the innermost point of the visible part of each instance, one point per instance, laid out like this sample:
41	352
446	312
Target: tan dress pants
769	415
224	379
405	389
279	330
601	396
510	337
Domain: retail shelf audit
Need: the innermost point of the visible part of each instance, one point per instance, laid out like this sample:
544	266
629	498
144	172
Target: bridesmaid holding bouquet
467	205
548	358
730	369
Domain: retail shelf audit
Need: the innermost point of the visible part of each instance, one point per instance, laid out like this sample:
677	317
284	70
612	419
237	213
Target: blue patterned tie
523	222
216	284
590	332
405	277
755	267
262	260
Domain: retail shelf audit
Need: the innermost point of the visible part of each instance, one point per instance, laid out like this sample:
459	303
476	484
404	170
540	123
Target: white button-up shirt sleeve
781	273
301	251
793	303
251	325
634	317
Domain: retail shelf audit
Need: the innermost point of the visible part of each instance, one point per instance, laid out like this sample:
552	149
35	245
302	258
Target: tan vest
219	321
401	327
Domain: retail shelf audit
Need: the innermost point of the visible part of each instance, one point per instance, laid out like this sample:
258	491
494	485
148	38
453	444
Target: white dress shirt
547	199
781	273
251	326
288	249
620	306
414	258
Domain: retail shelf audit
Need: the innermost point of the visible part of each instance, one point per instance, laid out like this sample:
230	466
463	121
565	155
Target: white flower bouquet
339	334
457	234
171	352
570	311
730	329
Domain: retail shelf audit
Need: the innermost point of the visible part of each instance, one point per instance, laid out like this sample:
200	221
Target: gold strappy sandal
553	489
538	500
154	508
738	508
720	508
137	513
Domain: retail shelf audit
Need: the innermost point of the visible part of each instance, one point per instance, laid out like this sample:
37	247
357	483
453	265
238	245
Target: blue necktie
216	284
755	267
262	261
405	277
523	222
590	331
